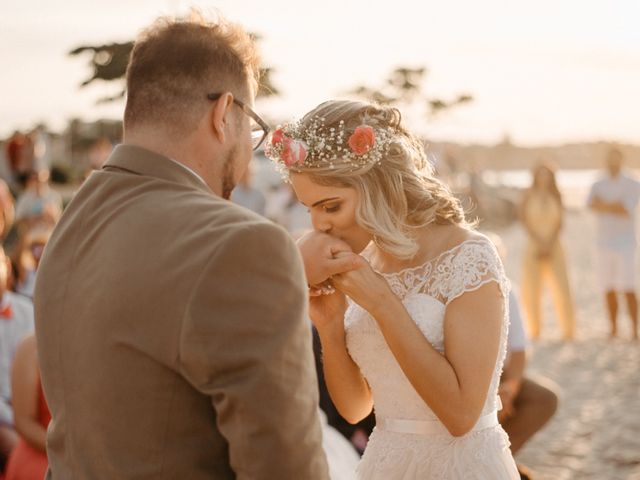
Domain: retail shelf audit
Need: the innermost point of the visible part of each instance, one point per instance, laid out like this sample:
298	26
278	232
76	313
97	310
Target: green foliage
405	85
109	63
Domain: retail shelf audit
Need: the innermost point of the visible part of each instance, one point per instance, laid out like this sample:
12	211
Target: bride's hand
364	286
327	310
324	256
325	288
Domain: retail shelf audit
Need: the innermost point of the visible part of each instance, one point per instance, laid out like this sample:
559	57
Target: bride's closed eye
331	208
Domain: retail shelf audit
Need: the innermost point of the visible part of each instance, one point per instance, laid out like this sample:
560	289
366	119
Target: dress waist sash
431	427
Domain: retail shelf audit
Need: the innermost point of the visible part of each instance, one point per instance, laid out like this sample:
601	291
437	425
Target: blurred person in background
614	200
542	213
28	460
527	404
16	322
19	153
246	195
7	210
41	148
27	258
99	153
284	209
39	202
5	171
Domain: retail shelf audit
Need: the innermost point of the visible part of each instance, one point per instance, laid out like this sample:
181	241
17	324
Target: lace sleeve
474	264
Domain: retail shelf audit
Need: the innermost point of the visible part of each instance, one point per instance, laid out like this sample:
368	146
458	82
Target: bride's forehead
303	183
310	191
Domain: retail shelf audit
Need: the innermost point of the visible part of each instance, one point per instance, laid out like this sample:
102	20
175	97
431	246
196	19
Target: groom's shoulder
204	207
234	217
241	228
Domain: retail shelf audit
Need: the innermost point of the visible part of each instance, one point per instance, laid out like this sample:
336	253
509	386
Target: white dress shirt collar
190	170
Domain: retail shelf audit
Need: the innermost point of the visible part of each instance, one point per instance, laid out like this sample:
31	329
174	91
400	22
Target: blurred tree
405	85
407	82
266	88
109	63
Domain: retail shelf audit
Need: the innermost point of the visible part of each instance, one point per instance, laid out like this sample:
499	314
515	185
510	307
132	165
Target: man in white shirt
39	202
16	321
527	405
614	199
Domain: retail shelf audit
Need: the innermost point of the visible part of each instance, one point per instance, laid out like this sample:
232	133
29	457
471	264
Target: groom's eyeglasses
259	128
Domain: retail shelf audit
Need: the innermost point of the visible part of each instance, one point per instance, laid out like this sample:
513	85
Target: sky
541	72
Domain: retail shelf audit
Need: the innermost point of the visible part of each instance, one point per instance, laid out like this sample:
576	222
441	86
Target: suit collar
140	161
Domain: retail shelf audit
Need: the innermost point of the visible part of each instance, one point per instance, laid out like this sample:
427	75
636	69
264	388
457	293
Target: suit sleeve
246	343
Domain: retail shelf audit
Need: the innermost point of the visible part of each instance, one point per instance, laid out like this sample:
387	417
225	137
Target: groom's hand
321	260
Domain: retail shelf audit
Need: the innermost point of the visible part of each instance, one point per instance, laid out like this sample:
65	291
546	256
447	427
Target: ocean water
566	179
573	184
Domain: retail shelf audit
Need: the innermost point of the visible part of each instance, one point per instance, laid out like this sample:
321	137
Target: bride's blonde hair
399	193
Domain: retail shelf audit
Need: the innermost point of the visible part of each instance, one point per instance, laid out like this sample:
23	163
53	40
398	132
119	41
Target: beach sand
595	433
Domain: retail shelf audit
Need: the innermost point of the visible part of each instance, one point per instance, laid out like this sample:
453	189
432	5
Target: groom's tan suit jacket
172	334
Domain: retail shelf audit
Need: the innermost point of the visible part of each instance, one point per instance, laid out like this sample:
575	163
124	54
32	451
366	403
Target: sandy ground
595	433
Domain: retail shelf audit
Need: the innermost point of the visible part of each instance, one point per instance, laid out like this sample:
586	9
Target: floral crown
293	147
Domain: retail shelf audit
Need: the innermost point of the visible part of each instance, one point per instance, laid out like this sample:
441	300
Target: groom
171	324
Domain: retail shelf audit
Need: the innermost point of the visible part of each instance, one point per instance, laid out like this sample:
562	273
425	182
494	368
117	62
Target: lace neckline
430	261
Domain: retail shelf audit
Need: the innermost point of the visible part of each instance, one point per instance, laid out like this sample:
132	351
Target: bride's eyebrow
324	201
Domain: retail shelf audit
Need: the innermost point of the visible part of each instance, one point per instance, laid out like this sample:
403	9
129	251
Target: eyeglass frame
248	111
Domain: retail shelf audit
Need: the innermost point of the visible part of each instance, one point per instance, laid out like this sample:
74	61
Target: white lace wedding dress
409	442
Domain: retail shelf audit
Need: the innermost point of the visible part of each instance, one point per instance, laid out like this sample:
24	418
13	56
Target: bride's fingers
345	262
326	283
338	281
328	288
322	289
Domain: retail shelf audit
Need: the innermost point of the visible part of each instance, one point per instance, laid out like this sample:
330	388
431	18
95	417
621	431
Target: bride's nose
321	224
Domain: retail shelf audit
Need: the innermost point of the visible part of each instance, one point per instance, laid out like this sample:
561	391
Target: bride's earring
377	242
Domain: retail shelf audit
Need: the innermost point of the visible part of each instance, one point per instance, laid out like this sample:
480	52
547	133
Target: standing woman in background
28	461
544	261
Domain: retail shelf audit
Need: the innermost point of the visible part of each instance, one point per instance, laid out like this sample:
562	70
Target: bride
418	332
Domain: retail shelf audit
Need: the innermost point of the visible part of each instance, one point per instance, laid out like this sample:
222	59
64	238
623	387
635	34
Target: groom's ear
220	116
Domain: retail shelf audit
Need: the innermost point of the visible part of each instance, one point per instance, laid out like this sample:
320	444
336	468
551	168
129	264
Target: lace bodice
425	291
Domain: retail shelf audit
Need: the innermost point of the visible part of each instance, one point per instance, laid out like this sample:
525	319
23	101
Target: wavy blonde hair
397	195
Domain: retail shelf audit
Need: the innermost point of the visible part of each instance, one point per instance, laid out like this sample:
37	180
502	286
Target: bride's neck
430	241
387	262
381	260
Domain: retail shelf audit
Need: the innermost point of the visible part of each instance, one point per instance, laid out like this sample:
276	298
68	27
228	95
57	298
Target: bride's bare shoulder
448	237
458	235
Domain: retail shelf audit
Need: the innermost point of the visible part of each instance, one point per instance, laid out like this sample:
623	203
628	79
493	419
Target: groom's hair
174	64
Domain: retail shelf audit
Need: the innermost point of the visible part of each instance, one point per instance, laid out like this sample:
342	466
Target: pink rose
277	136
362	139
293	152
